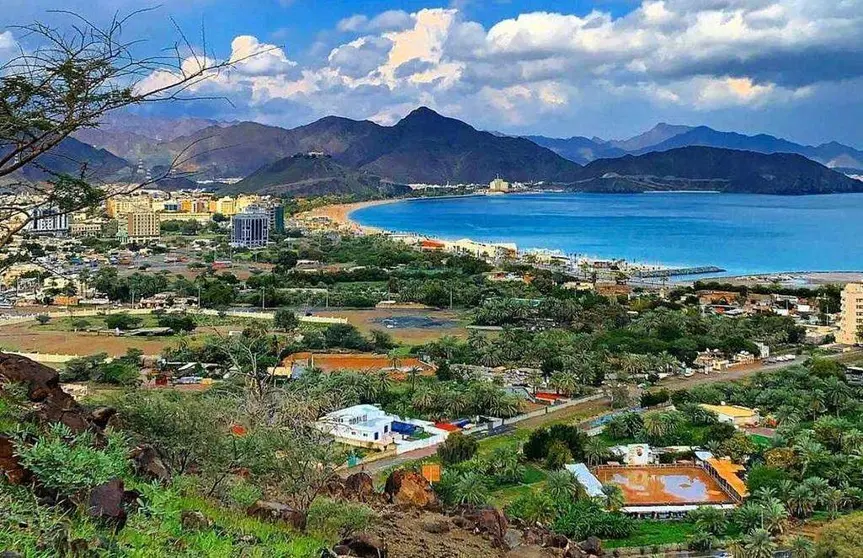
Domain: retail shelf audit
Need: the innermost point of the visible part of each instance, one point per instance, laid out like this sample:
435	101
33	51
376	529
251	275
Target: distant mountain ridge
663	137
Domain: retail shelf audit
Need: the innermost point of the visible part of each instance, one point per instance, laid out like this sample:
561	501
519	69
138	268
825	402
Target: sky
607	68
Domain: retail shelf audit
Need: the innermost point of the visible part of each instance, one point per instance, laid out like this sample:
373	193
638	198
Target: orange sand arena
650	486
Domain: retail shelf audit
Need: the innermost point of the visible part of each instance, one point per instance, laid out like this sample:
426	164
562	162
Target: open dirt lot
408	326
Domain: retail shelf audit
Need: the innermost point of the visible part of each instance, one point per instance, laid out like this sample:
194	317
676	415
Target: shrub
122	320
540	441
457	448
43	319
558	455
68	463
343	519
285	319
533	507
651	399
586	518
178	322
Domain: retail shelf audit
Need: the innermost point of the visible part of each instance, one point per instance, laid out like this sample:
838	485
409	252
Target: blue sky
792	68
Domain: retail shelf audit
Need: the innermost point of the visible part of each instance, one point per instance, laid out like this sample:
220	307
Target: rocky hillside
706	168
305	175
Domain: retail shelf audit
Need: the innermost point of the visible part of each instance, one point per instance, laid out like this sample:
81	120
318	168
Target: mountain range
337	155
666	136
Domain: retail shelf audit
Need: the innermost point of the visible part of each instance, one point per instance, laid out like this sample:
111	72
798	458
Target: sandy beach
340	214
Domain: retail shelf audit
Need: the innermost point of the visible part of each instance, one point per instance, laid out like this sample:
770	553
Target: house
733	414
360	424
633	454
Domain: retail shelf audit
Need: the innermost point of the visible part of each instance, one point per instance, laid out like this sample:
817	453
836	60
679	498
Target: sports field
651	485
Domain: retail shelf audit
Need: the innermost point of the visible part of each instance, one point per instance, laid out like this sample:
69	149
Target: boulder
556	540
362	545
107	502
9	554
102	415
512	538
193	520
10	467
592	545
489	521
276	511
359	487
410	489
43	388
148	464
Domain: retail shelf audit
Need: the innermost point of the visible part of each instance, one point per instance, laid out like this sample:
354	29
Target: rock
528	552
593	545
512	538
359	487
149	465
363	545
275	511
556	540
490	521
436	525
409	488
9	554
462	522
341	550
107	502
102	415
10	467
193	520
43	388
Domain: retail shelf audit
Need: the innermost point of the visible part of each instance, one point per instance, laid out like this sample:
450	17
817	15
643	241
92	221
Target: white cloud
690	55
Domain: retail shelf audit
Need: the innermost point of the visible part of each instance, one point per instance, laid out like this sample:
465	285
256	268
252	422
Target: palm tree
565	382
819	489
774	515
534	378
801	547
594	451
758	544
470	489
561	485
709	520
801	501
614	498
748	517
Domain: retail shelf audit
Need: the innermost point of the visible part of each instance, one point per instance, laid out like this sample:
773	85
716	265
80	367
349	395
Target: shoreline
340	214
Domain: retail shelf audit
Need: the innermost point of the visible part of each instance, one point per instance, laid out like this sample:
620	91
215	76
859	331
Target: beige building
851	318
143	226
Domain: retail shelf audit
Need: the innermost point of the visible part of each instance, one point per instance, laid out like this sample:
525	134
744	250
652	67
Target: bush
285	320
122	321
457	448
43	319
533	507
70	464
558	455
330	517
764	476
652	399
177	322
586	518
540	441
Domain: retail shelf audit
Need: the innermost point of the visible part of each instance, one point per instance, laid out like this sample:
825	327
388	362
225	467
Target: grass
155	530
147	321
650	532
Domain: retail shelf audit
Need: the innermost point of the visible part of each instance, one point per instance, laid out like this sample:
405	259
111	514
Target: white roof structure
585	478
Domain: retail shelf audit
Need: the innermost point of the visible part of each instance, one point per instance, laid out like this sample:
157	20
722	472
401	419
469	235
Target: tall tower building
851	318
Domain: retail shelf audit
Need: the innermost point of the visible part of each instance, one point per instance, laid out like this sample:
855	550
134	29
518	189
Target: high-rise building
250	230
277	218
49	220
143	226
498	185
851	317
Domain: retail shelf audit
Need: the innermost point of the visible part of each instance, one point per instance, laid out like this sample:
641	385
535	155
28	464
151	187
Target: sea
744	234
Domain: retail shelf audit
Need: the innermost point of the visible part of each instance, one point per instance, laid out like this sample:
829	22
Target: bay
742	233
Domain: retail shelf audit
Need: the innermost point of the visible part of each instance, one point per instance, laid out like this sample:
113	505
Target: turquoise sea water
742	233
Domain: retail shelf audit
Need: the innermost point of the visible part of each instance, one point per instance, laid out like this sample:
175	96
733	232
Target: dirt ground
367	320
26	338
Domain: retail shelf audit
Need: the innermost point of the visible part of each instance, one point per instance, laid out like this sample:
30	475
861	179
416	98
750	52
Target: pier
678	271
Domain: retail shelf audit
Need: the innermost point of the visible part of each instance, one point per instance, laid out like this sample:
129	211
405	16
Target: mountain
422	147
314	175
658	134
831	154
708	168
578	149
70	156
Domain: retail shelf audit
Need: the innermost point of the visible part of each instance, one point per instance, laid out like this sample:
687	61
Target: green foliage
532	507
69	463
123	371
457	448
557	456
654	398
285	319
122	320
178	322
540	442
586	518
43	319
328	517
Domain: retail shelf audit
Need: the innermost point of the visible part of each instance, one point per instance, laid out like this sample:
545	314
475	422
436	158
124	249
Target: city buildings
49	220
250	230
851	316
498	185
142	226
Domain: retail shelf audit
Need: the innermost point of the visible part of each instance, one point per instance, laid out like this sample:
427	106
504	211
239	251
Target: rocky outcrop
148	464
489	521
410	489
51	403
360	487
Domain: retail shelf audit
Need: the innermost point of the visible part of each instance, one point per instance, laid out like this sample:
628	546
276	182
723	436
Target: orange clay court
652	486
